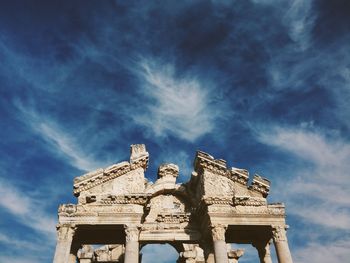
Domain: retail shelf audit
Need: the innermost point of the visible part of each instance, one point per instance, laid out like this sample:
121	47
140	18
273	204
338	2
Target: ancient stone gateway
119	208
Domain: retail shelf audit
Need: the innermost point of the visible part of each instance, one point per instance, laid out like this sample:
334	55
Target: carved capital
65	232
168	170
218	232
132	233
279	233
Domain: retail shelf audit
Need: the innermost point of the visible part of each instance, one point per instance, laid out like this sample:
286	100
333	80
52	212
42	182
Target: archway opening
159	253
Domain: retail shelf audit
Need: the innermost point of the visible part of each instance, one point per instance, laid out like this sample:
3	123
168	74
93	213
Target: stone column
263	248
220	247
73	255
210	258
281	244
65	235
131	244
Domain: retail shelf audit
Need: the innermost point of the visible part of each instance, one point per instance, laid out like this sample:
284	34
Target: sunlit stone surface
119	208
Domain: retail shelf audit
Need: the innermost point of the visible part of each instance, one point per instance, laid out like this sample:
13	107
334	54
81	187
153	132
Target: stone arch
158	252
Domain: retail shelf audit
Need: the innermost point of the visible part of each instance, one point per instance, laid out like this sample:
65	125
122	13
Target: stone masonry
119	210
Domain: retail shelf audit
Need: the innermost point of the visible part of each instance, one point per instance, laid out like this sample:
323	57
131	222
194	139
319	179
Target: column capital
279	232
132	232
218	232
65	231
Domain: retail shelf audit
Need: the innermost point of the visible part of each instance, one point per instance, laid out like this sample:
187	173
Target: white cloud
338	251
177	105
60	142
325	186
17	259
318	193
300	20
26	210
18	243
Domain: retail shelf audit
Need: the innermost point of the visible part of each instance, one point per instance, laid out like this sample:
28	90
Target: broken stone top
138	159
127	178
168	170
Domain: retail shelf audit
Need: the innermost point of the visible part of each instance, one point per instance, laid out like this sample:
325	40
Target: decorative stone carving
261	185
140	199
239	175
249	201
217	185
166	205
173	218
138	156
218	232
132	233
199	211
138	159
279	233
65	232
67	209
168	170
204	160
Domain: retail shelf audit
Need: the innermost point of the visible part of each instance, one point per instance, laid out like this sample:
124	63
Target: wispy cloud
324	186
338	251
177	105
26	210
317	193
18	243
300	21
61	142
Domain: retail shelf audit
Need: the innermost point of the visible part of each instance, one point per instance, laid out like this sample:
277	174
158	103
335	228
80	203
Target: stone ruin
119	208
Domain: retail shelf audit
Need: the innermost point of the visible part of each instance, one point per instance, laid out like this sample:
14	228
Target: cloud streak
60	142
180	106
26	210
318	193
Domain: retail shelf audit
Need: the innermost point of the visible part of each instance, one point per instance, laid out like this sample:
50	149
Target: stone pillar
263	248
73	255
132	244
210	258
65	235
220	247
281	244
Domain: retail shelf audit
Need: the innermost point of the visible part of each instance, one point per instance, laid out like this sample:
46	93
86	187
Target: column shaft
281	244
210	258
220	250
131	252
283	252
219	243
64	243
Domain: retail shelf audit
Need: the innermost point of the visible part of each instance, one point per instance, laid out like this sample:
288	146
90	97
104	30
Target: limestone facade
119	211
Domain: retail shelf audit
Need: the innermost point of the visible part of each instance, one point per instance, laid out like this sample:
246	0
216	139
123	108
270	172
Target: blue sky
264	84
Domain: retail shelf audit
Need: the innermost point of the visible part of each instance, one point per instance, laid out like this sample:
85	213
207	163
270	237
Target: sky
263	84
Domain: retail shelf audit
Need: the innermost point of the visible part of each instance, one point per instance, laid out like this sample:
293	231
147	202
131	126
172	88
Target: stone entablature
216	206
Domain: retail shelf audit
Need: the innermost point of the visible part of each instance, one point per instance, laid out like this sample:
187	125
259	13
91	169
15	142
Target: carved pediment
121	178
168	208
218	180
